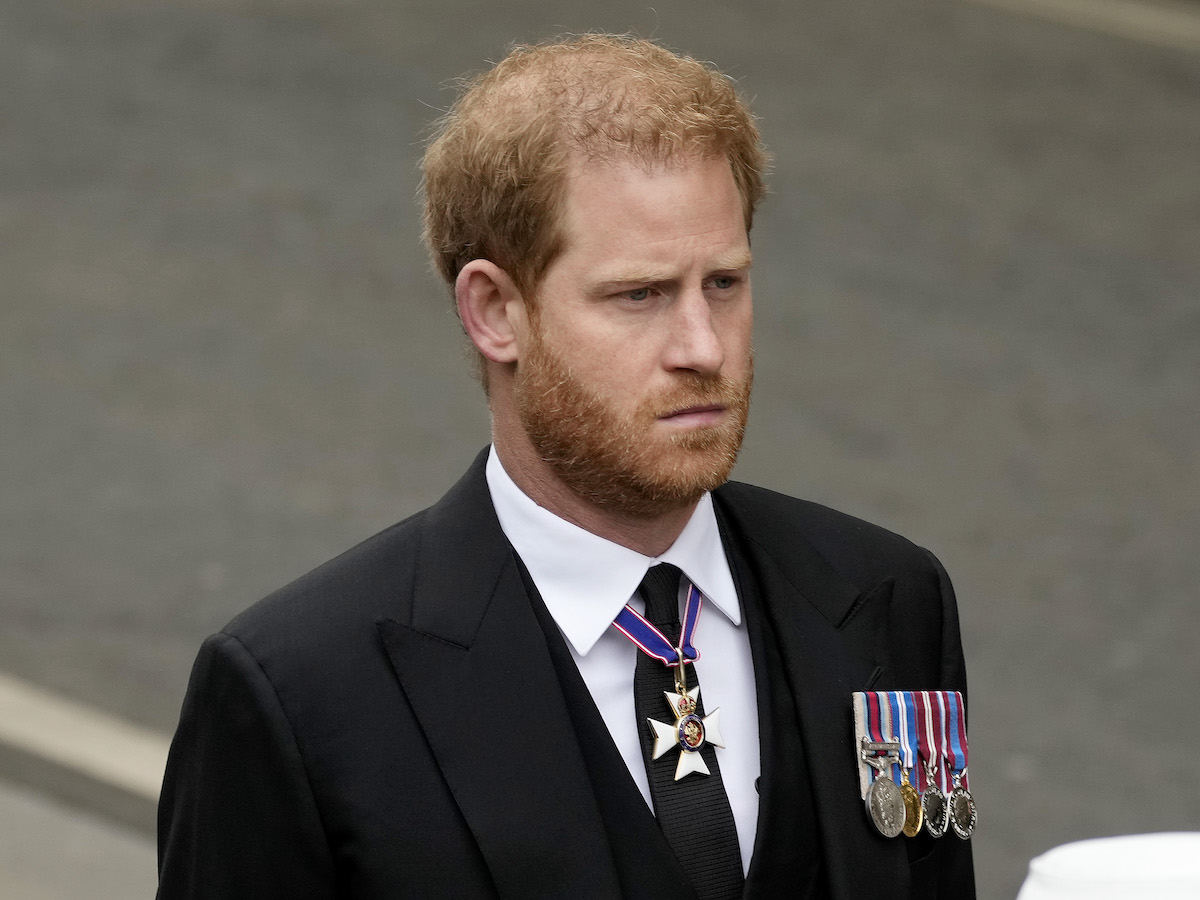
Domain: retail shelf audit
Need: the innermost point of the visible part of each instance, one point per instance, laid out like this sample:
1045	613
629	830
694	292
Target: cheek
567	336
612	378
737	330
618	381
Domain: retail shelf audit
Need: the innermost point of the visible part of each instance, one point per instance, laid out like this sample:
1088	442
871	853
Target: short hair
495	171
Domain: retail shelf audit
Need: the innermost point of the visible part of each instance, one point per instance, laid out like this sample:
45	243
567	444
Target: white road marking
78	737
1170	23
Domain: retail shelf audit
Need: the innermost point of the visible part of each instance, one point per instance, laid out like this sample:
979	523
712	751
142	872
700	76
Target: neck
650	535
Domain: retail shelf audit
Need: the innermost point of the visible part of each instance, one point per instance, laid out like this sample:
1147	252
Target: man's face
633	383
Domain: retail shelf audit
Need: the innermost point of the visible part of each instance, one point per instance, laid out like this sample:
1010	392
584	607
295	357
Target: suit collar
461	555
804	569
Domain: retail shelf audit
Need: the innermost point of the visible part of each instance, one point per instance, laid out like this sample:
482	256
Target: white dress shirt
585	580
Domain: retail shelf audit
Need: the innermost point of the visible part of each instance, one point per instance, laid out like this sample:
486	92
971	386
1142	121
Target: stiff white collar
585	579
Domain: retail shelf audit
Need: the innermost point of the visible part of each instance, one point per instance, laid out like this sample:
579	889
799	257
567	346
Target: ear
491	308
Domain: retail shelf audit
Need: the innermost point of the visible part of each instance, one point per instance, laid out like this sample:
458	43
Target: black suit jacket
392	724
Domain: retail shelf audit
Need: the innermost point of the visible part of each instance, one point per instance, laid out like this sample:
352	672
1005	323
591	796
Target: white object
1132	867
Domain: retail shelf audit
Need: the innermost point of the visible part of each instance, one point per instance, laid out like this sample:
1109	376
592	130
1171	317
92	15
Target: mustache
693	389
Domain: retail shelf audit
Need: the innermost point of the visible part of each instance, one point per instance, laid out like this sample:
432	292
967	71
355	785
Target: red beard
620	463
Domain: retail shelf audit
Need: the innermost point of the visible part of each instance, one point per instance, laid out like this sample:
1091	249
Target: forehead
622	211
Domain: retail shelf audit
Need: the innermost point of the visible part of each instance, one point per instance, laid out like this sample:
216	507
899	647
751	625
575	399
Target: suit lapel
473	663
829	636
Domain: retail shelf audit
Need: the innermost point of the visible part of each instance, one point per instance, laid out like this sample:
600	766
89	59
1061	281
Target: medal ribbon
944	743
899	728
958	734
877	712
929	726
871	721
904	715
652	642
888	721
927	748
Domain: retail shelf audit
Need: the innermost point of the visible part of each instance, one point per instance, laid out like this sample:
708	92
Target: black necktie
693	812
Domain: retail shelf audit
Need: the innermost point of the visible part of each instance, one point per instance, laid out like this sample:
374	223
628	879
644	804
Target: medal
936	810
963	815
914	813
884	802
883	799
690	730
904	721
933	801
962	808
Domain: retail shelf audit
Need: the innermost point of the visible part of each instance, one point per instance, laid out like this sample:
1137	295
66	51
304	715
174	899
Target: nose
693	342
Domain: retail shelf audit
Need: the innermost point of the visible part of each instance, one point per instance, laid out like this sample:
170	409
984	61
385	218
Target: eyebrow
734	262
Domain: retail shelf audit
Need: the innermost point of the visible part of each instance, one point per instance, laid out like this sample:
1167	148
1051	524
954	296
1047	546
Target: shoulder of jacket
367	581
777	521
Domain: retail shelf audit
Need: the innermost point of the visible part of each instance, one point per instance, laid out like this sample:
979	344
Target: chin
665	479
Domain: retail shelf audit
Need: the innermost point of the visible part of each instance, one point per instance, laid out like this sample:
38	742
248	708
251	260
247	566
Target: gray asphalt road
222	359
52	852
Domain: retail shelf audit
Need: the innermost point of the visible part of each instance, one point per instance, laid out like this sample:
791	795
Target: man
447	710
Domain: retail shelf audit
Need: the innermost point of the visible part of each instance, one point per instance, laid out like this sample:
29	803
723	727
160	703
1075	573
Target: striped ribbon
878	720
652	642
904	713
929	726
943	742
957	727
927	749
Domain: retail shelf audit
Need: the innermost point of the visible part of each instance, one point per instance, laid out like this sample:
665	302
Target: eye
637	295
723	282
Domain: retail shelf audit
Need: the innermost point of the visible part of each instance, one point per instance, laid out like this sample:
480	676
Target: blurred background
223	358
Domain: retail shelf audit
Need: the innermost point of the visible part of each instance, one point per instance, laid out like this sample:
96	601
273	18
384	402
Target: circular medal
885	806
936	809
962	812
913	814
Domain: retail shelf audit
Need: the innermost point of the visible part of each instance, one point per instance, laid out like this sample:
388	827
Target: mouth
696	416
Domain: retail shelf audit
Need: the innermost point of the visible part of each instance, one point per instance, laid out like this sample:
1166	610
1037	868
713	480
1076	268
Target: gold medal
914	815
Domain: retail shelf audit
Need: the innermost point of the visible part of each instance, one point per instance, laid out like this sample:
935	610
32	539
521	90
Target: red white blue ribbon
652	642
943	741
929	727
904	724
957	727
878	720
927	747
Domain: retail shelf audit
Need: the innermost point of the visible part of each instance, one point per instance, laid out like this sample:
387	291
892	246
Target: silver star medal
689	732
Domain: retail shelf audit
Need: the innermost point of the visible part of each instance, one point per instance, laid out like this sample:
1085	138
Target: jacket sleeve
944	869
237	818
